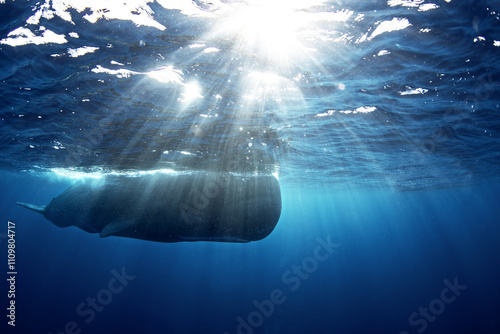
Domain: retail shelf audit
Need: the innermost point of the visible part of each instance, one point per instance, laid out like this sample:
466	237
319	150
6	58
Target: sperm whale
170	207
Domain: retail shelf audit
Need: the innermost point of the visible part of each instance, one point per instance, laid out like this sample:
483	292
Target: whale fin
115	227
36	208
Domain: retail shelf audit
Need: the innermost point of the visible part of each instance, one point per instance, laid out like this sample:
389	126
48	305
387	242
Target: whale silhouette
170	207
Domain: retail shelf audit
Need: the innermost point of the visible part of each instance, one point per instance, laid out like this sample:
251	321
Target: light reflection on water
329	87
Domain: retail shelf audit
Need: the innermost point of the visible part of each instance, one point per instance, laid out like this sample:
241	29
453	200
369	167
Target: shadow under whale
171	207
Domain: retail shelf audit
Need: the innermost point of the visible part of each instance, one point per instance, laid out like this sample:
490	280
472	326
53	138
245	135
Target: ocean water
380	119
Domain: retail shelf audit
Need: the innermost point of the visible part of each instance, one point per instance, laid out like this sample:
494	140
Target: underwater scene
250	166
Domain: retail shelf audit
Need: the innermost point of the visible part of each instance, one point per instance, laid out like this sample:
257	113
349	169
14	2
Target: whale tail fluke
33	207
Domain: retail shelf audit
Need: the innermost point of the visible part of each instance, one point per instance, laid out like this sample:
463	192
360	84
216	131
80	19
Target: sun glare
192	91
268	29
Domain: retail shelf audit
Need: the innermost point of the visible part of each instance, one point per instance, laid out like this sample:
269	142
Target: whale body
173	207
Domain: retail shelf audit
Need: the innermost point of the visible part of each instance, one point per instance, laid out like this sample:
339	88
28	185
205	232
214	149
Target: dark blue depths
338	262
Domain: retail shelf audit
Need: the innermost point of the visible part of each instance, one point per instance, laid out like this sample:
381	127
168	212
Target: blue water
380	119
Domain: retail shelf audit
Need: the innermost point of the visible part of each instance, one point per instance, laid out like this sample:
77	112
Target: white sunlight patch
388	26
137	11
361	110
422	7
413	91
187	153
121	73
405	3
192	91
383	53
211	50
272	29
46	10
24	36
81	51
188	7
196	45
165	74
427	6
